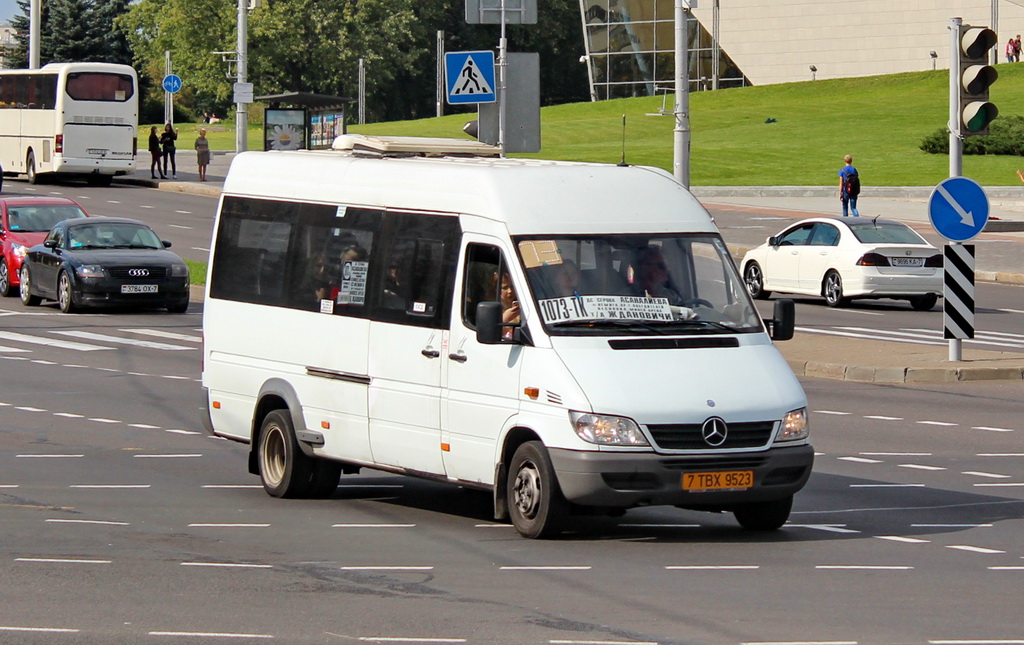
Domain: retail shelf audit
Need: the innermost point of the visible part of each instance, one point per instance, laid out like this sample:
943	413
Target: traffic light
976	75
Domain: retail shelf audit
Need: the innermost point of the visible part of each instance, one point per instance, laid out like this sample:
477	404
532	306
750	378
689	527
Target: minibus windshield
636	285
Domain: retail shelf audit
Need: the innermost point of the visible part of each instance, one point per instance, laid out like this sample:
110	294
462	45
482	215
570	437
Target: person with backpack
849	187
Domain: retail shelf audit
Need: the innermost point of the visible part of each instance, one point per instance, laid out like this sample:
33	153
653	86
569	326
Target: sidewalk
811	355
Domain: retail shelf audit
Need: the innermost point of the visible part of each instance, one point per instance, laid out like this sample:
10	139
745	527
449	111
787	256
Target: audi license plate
907	262
138	288
722	480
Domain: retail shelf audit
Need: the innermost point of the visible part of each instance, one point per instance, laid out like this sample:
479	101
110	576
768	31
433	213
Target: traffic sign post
958	209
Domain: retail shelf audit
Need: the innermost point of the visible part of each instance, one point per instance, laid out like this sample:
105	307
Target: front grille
124	273
733	462
687	436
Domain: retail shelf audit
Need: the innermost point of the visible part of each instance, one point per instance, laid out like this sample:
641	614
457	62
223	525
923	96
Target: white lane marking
835	412
213	525
387	568
210	634
921	467
409	639
103	420
53	342
800	643
143	426
492	526
231	486
865	567
199	248
879	417
62	561
227	565
1007	568
148	344
897	454
9	485
372	526
43	630
160	333
113	201
660	526
178	431
25	408
41	456
564	642
873	336
900	538
951	526
861	460
146	206
1001	454
712	567
978	642
991	429
540	567
886	485
13	349
830	528
1001	485
989	475
178	456
109	486
974	549
937	423
100	522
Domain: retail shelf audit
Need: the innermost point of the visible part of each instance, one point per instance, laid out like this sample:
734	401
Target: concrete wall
775	41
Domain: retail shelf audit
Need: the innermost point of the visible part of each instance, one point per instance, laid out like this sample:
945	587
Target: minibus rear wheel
535	502
764	516
284	470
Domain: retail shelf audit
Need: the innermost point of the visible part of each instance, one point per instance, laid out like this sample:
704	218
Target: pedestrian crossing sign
469	77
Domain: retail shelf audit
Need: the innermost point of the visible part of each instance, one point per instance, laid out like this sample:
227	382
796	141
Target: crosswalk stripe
12	349
122	341
159	333
52	342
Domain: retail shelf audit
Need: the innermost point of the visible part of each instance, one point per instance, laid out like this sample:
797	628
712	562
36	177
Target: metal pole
995	28
440	73
681	139
362	92
241	111
716	49
34	27
502	64
956	144
168	97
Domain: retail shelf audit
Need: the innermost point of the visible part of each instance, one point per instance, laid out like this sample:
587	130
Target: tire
178	307
66	293
535	502
27	298
5	280
832	289
919	303
324	480
30	168
764	516
754	279
284	470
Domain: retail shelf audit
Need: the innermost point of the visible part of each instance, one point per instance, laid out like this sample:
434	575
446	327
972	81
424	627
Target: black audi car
104	261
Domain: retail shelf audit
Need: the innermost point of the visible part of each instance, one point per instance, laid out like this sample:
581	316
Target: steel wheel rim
833	287
753	279
272	455
526	492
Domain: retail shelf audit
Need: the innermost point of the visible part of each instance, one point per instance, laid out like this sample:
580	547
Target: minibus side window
485	270
251	255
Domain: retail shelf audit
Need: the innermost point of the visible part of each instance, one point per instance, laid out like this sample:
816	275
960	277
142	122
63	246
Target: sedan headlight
179	271
795	426
19	250
607	430
90	271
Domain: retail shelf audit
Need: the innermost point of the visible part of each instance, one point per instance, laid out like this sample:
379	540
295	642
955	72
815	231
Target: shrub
1006	137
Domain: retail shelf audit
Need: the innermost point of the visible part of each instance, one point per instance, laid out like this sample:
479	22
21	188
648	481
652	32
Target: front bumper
625	480
107	291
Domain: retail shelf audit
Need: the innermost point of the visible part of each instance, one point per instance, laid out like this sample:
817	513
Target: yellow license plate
722	480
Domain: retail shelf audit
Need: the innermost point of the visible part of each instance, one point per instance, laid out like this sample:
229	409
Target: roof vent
414	146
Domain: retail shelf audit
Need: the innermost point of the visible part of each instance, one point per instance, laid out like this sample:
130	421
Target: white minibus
70	119
572	337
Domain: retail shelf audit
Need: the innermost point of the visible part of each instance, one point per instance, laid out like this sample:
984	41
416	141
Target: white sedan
846	258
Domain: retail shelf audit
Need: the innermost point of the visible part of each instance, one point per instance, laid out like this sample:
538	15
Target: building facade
630	43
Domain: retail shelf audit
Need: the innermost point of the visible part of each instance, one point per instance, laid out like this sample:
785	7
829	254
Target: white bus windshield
631	284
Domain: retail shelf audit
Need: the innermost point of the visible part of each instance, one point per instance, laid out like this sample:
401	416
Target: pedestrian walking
1016	49
202	153
155	153
1011	50
167	139
849	187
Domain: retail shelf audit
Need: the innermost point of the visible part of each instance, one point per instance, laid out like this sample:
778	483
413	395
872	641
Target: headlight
90	271
179	271
19	250
607	430
795	426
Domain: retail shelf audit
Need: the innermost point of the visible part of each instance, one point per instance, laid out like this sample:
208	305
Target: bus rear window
99	86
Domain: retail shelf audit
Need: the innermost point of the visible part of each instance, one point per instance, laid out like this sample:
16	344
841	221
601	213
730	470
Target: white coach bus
569	336
69	119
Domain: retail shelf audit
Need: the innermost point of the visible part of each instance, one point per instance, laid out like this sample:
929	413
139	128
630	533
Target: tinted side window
825	235
797	236
484	265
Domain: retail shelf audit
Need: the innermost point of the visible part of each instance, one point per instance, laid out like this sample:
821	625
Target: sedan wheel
5	279
65	294
832	289
925	302
754	280
27	298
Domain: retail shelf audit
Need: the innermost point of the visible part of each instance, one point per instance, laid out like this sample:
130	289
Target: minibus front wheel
535	502
764	516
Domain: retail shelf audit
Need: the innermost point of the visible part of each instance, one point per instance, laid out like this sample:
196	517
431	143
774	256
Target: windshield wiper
611	322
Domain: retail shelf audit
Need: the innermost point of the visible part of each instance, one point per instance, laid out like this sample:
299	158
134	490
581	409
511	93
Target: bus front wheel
30	168
284	469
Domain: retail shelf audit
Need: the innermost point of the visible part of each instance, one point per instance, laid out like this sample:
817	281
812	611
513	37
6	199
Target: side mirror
784	319
50	244
773	240
166	244
488	323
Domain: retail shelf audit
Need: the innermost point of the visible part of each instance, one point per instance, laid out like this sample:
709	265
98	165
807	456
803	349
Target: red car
25	222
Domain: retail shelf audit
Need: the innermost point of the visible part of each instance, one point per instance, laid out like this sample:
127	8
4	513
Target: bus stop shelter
296	120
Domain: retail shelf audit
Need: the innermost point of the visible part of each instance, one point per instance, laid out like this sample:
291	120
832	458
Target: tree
72	30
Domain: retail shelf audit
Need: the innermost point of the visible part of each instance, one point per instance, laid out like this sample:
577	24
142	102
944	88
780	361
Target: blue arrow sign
172	83
958	209
469	77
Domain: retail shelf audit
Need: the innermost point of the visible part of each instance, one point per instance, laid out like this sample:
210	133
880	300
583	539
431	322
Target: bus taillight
58	146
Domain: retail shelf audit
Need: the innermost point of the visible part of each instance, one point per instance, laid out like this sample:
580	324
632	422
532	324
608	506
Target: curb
907	375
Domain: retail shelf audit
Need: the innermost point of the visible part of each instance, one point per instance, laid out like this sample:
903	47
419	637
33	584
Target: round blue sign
172	83
958	209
